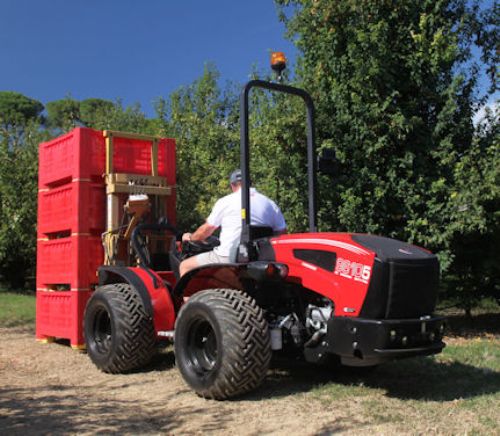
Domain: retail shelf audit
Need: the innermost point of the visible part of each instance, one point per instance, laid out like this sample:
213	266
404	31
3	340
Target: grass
457	391
16	310
477	352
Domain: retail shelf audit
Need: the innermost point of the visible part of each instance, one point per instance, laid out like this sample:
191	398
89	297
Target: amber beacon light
278	62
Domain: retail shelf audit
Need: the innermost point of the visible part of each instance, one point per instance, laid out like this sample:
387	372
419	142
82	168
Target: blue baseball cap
235	177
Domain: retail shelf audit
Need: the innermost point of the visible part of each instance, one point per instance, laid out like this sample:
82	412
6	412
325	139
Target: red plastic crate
77	155
166	160
134	156
60	315
77	207
166	157
80	156
71	261
71	217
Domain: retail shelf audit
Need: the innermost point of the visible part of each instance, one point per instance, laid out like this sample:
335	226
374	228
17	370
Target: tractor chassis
369	342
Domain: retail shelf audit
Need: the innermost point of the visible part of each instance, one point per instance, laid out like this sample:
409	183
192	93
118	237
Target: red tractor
359	299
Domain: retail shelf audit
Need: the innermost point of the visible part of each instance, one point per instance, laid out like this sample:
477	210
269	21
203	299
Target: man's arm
200	234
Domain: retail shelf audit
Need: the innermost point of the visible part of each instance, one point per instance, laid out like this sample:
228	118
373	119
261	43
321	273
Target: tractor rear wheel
222	343
119	334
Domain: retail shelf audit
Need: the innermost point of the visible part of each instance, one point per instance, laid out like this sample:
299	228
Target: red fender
153	291
161	301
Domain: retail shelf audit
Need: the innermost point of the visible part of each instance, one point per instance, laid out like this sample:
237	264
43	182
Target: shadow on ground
58	409
163	360
422	378
418	379
486	323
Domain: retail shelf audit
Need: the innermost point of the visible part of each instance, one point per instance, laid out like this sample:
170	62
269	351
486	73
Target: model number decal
353	270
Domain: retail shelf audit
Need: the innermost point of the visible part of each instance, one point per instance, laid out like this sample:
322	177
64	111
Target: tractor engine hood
392	250
404	276
365	275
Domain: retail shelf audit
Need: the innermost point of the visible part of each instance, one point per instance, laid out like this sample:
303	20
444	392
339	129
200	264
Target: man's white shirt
226	213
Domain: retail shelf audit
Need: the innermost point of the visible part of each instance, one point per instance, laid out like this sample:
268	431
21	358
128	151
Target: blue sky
135	50
131	49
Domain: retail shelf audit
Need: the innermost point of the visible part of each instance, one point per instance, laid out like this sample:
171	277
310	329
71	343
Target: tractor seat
256	232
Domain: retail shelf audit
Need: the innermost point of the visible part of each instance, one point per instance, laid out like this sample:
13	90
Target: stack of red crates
71	219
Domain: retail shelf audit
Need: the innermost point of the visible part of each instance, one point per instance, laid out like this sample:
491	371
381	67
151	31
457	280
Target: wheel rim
102	331
202	346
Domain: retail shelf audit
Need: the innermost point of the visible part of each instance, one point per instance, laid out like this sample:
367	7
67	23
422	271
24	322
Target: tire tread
134	342
247	350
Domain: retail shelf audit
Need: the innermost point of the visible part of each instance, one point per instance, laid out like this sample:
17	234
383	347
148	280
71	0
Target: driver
227	214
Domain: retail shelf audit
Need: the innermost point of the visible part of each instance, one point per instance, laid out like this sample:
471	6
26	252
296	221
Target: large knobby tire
222	343
119	334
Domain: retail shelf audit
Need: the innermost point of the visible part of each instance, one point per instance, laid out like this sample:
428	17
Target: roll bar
246	235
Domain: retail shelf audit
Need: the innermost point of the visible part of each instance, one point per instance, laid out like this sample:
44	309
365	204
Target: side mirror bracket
327	162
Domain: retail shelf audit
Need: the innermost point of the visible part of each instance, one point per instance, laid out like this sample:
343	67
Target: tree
17	109
63	114
100	114
20	133
18	208
203	119
396	88
474	229
103	114
94	110
20	122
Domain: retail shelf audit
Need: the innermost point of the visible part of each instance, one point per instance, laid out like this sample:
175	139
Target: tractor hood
365	275
404	276
392	250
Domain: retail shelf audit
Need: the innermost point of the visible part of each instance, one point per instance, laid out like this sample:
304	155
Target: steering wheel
192	248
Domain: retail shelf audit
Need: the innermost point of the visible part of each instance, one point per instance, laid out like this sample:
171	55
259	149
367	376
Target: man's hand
201	233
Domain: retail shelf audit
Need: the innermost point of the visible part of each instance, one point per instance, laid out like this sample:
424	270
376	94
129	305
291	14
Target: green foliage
17	109
203	119
113	116
474	220
396	89
63	114
18	202
20	133
95	110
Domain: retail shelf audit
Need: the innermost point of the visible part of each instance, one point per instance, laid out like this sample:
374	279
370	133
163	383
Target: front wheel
222	344
119	334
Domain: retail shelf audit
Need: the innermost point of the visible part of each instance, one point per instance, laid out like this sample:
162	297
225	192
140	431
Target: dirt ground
50	388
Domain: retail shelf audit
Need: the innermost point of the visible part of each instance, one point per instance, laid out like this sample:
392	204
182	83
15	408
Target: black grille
412	288
404	281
